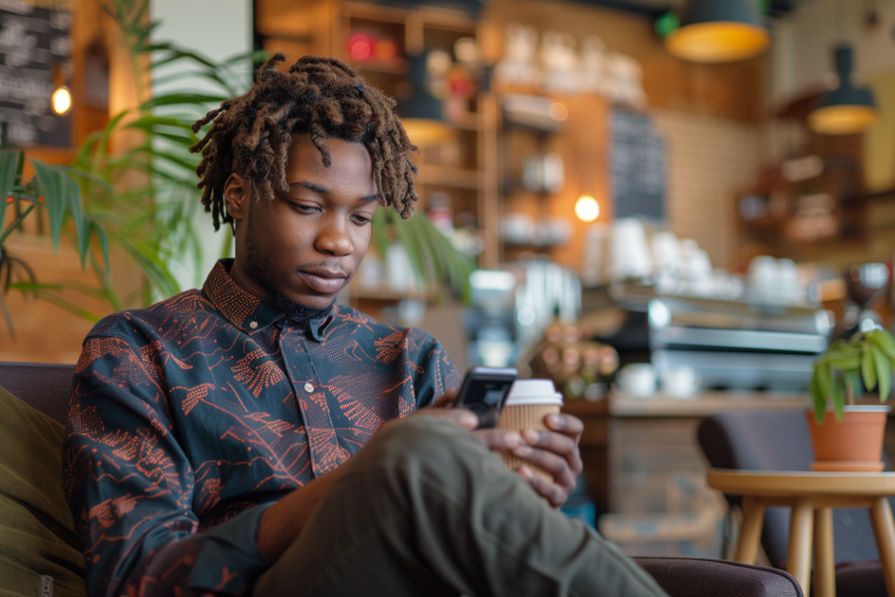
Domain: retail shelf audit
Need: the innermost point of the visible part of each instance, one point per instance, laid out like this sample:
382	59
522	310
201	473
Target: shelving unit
520	142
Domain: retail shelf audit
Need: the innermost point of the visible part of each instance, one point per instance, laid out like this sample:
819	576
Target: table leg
824	561
884	530
750	531
800	535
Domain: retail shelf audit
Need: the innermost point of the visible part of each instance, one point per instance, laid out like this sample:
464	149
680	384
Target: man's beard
260	271
298	312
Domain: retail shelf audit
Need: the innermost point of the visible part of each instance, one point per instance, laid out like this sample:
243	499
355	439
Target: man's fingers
565	424
553	464
557	443
552	492
499	439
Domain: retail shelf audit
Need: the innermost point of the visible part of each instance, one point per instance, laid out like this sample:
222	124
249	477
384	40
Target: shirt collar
247	311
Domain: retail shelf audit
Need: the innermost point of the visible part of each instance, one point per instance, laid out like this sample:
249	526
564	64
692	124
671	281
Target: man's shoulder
183	306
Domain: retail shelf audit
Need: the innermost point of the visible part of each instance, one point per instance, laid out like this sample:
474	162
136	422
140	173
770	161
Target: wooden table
812	497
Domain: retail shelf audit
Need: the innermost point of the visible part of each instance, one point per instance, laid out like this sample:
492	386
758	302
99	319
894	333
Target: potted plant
845	435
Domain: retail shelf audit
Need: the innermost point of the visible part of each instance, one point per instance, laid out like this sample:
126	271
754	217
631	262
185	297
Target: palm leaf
9	162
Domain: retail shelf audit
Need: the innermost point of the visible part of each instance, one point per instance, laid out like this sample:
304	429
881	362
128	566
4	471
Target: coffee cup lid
534	391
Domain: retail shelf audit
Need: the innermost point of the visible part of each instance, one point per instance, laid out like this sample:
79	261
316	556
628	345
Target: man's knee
421	441
417	455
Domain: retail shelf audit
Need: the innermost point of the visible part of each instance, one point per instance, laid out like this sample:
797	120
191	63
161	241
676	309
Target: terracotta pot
853	444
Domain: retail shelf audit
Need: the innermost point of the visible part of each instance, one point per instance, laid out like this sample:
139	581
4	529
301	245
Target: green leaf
176	53
868	368
883	340
380	230
172	99
853	382
838	400
9	161
844	362
82	224
818	398
65	304
57	188
410	245
103	242
824	380
883	373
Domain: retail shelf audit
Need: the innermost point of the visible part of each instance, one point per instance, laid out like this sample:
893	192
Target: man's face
305	246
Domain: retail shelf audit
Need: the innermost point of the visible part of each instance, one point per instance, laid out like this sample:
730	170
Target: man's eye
304	208
361	219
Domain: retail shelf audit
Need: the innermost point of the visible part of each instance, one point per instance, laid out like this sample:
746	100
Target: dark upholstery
47	388
44	386
779	439
691	577
860	579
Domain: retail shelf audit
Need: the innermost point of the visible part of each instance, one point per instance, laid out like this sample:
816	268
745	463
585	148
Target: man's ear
237	194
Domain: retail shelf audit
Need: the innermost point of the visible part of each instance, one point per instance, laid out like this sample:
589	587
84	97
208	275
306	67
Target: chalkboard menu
636	166
34	44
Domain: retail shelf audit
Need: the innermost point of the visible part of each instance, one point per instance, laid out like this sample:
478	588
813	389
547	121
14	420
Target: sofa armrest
697	577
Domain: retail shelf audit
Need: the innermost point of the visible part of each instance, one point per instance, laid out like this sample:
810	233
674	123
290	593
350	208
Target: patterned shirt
191	415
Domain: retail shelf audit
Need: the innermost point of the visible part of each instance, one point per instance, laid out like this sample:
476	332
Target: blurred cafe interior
663	228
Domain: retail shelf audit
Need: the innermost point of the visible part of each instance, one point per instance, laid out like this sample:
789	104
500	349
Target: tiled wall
709	160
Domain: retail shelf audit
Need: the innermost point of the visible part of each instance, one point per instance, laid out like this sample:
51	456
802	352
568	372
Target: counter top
700	405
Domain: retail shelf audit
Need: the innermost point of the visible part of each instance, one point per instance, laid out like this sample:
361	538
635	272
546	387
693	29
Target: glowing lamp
713	31
61	101
846	109
587	208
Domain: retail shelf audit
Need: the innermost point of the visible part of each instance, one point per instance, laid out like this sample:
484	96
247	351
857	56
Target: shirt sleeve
433	370
130	486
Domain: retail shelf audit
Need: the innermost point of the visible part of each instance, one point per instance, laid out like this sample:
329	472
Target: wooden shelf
458	178
385	66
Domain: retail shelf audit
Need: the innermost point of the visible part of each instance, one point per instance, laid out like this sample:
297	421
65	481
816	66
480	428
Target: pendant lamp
718	31
846	109
422	114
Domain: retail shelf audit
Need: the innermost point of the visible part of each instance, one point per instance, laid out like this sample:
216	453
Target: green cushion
38	544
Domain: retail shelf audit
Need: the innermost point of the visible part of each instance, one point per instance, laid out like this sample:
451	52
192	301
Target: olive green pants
426	509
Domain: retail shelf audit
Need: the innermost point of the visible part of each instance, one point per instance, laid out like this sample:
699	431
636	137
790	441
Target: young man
253	438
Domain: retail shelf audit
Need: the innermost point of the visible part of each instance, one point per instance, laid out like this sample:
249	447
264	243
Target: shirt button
253	324
309	387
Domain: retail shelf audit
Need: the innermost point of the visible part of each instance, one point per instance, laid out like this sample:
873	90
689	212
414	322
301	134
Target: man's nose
333	237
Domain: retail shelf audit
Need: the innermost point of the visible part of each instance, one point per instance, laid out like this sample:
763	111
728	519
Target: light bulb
61	101
587	208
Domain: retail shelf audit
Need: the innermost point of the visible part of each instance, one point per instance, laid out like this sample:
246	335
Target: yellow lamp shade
842	119
717	41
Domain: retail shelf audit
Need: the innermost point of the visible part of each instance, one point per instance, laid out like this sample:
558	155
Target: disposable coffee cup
529	401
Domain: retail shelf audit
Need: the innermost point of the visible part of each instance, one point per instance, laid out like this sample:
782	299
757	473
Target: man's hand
554	450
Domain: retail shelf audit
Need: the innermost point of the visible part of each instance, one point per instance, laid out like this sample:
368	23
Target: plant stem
15	223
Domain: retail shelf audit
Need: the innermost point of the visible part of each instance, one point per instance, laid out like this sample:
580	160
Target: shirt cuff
228	560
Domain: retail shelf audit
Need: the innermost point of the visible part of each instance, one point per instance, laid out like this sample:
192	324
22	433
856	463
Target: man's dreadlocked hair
318	96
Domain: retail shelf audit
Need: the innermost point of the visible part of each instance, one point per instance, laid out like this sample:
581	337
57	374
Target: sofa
38	545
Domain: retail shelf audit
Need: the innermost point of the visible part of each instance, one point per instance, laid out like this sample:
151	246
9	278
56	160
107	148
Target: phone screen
484	392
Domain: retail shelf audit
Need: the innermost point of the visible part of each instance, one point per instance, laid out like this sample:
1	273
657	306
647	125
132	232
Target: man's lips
324	281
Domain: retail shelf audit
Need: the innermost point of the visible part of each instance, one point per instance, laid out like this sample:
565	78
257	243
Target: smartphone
484	392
